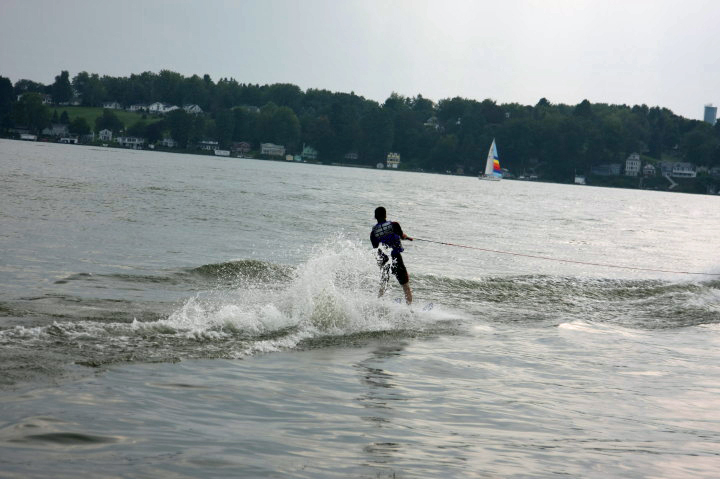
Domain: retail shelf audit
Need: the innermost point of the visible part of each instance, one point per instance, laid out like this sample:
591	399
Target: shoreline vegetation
601	143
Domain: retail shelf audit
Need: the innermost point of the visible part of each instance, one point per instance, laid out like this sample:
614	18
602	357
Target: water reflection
380	399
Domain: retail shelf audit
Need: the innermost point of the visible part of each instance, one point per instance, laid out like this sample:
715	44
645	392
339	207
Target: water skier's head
380	214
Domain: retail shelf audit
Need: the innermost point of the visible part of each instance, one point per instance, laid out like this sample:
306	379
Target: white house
272	149
130	142
168	143
161	108
208	145
137	107
632	165
193	109
156	107
105	135
649	170
393	160
112	105
683	170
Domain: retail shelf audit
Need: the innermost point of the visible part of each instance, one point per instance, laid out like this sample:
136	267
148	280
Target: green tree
225	127
7	96
244	125
196	91
79	126
64	118
31	112
179	123
444	153
108	121
377	135
169	87
29	86
90	88
285	94
285	128
318	133
62	91
138	129
198	128
154	131
701	145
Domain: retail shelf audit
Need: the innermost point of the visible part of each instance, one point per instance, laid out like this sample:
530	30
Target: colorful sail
492	167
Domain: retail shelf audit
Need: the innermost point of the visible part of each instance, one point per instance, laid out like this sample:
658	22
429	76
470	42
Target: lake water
178	316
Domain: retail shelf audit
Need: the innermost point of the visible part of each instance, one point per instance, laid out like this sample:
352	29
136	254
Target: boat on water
492	166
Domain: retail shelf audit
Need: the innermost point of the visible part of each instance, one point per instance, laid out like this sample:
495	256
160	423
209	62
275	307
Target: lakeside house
632	165
56	129
130	142
208	145
683	170
351	156
159	108
393	160
649	170
112	105
271	149
168	142
241	147
193	109
138	107
105	135
309	153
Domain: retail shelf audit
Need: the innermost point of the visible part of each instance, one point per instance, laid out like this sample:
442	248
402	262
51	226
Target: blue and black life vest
384	233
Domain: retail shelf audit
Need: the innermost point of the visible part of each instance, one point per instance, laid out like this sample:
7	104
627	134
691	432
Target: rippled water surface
183	316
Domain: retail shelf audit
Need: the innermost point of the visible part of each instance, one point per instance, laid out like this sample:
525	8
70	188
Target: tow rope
547	258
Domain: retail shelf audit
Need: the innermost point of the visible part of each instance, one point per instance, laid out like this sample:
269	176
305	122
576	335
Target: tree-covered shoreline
552	141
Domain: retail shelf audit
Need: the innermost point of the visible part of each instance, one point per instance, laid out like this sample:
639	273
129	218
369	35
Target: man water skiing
388	234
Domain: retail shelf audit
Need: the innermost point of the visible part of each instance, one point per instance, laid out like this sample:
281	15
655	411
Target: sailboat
492	167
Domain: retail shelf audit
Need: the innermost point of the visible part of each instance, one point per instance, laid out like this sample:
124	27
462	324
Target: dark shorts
396	266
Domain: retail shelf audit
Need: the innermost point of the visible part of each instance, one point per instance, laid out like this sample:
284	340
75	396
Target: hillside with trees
553	141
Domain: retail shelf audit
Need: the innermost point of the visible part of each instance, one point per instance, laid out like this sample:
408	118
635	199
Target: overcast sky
656	52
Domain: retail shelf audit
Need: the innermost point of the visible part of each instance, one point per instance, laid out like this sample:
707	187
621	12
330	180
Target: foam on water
255	308
333	293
